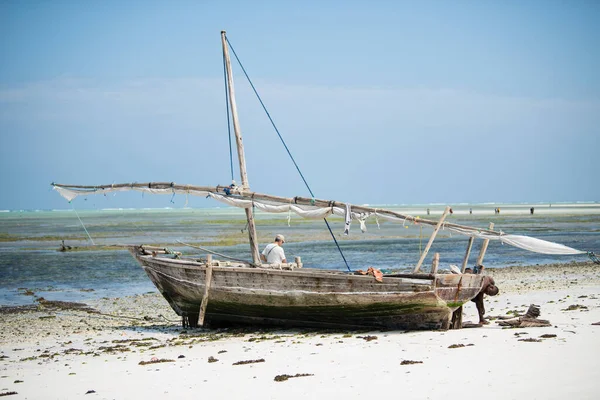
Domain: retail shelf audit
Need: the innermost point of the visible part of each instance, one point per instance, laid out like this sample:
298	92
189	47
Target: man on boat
273	253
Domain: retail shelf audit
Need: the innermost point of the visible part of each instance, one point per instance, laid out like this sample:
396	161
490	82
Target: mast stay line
286	147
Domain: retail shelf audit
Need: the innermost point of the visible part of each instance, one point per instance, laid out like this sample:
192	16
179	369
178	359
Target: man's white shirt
274	253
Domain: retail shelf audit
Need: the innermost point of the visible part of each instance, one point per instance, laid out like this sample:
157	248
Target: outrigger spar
311	208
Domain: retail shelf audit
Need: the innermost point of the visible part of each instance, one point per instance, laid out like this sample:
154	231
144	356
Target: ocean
31	265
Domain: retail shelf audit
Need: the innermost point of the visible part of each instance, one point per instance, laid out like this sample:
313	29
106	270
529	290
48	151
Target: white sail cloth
538	245
313	212
523	242
303	211
70	194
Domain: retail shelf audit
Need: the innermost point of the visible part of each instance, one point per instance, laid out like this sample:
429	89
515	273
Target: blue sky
379	102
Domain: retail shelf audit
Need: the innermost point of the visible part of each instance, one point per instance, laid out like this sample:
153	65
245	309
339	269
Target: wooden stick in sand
204	304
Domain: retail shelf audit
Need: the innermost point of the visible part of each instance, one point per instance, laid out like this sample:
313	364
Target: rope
270	119
337	244
215	253
139	229
286	147
593	257
228	119
86	231
94	315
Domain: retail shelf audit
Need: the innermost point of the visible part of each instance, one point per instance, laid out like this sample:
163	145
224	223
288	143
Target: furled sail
310	208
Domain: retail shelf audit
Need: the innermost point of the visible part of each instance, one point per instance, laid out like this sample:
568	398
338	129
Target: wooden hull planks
308	297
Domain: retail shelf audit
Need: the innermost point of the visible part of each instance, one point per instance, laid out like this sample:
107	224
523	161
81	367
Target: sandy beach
134	347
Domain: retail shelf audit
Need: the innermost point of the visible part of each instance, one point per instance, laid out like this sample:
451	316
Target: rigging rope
215	253
269	115
286	147
86	231
228	119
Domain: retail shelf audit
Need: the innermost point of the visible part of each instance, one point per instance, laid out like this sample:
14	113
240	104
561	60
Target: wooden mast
240	150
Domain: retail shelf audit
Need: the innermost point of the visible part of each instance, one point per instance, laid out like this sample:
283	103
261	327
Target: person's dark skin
489	287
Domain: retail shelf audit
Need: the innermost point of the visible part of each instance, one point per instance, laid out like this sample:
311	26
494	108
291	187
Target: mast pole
240	150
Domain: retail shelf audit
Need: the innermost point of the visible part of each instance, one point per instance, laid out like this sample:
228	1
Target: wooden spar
265	197
484	247
240	150
204	303
467	254
458	313
234	114
435	264
431	239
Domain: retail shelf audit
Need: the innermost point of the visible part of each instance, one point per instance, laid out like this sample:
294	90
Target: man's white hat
280	238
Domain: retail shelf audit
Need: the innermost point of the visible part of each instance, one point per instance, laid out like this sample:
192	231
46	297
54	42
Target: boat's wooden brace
467	254
435	263
208	282
484	247
457	314
431	239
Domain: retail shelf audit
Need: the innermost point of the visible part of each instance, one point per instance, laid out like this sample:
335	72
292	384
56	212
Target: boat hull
308	297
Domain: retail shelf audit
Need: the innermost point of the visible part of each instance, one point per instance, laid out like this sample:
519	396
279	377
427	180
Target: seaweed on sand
249	362
285	377
155	360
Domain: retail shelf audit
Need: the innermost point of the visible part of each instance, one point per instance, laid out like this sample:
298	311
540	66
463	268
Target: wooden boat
268	295
218	291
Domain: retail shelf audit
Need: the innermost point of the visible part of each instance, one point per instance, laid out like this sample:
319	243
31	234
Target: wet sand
134	347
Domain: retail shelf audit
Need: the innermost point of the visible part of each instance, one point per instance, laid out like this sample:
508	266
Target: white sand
344	365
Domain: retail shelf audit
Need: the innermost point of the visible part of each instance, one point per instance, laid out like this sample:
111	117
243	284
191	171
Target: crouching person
489	287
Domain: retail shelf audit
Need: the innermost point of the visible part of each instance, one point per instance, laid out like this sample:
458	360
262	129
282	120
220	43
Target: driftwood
529	320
